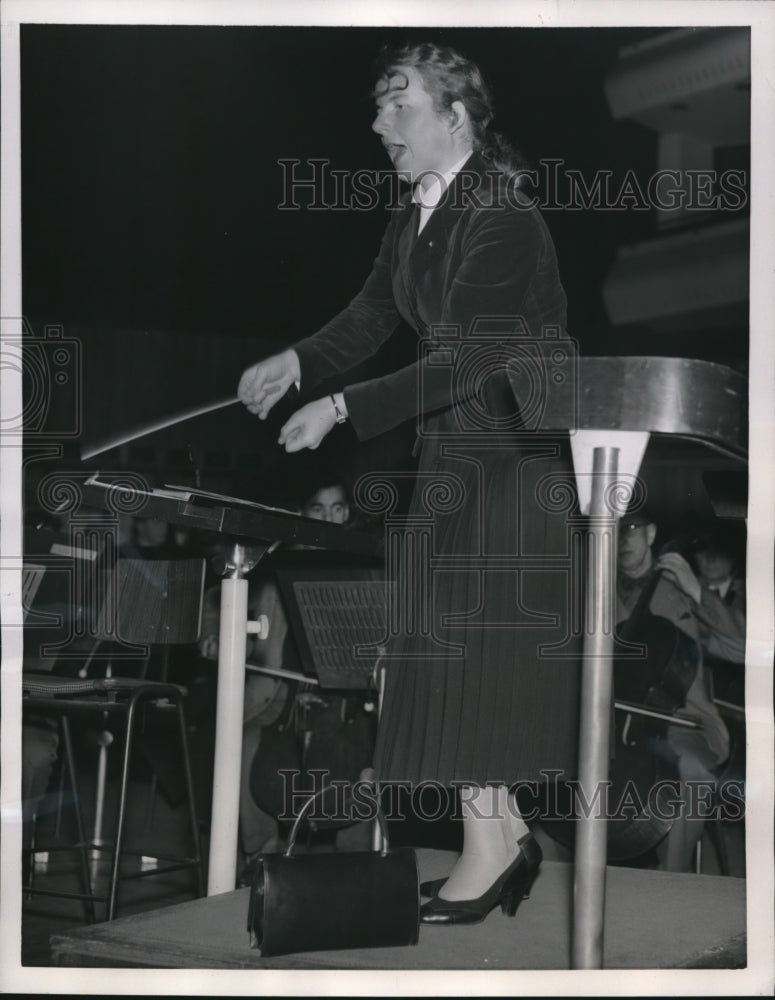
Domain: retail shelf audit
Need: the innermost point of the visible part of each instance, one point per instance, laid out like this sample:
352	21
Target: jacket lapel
407	235
405	241
433	241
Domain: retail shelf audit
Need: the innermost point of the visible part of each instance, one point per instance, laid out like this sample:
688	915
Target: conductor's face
328	504
416	138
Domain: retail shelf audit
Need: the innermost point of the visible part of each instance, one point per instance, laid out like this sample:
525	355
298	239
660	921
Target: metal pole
596	697
104	740
377	840
224	824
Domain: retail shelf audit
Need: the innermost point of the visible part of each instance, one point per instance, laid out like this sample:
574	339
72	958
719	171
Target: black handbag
324	902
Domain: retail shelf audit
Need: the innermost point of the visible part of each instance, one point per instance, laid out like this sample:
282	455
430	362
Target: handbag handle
288	852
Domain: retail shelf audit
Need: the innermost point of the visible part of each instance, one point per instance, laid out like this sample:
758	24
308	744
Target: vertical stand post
377	840
224	826
596	695
104	740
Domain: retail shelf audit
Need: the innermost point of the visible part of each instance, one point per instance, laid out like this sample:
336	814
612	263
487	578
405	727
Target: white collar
429	198
722	589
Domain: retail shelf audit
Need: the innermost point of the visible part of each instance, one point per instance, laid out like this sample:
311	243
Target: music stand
60	581
727	491
334	607
622	402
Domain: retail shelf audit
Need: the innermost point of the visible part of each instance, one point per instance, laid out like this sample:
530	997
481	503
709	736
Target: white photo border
757	978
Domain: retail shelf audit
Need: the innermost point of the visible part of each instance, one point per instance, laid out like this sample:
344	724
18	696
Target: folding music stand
334	608
152	602
253	530
59	580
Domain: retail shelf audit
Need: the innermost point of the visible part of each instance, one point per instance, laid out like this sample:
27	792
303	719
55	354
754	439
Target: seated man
265	695
716	556
682	599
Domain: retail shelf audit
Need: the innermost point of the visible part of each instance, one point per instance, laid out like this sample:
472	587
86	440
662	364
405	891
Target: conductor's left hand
308	426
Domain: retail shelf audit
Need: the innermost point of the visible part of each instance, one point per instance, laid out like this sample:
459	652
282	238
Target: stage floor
654	920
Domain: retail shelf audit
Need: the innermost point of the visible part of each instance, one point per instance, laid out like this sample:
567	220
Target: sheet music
183	493
95	481
189	493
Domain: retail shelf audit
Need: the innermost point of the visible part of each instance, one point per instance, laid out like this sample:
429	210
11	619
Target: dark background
152	235
151	180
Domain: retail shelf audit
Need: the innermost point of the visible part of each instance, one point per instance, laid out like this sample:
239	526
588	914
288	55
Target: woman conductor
465	253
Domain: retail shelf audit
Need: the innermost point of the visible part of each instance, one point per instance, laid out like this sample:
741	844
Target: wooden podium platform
653	920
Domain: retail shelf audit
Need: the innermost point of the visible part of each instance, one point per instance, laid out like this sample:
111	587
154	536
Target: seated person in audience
717	556
682	599
265	695
152	538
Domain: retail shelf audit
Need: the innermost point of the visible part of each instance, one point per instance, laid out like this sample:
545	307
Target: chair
157	603
146	603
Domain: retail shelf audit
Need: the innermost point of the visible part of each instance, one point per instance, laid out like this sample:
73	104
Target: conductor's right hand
262	385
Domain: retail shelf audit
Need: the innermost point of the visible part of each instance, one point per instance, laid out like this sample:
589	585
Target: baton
125	438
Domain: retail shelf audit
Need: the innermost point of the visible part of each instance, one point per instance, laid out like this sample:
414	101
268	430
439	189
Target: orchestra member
716	557
477	706
152	538
682	599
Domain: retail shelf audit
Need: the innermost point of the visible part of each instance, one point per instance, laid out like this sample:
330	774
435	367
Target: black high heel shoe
430	889
509	889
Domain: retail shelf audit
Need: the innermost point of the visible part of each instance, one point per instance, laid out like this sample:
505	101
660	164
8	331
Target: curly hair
449	76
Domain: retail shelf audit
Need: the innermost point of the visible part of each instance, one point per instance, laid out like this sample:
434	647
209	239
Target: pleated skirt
488	690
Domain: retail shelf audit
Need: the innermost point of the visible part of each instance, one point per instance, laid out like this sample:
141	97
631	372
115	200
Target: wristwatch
341	416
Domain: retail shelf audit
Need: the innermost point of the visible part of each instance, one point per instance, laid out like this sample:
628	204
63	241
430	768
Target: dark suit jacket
484	253
480	258
722	622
